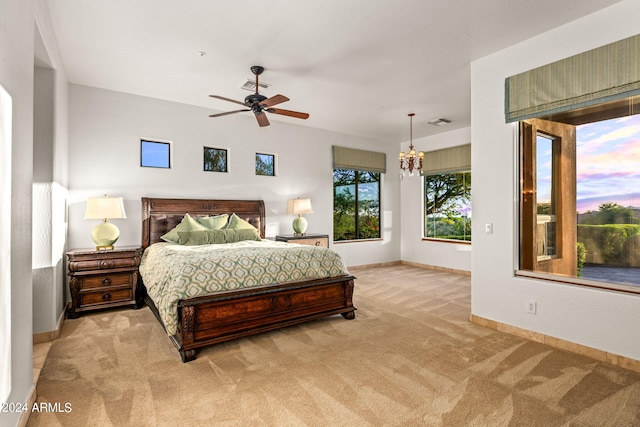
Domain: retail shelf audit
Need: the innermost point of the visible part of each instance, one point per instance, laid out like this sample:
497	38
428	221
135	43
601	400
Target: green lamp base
299	226
105	235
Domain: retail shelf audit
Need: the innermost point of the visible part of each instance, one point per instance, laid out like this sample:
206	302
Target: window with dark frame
447	206
215	160
356	205
155	154
265	164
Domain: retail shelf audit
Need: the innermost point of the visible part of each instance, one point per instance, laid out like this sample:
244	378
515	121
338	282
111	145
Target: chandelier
411	164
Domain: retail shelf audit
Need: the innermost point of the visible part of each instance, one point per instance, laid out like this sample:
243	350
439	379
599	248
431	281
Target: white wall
595	318
456	256
105	129
49	177
16	77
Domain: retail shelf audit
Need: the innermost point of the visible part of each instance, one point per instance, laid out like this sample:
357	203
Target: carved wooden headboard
161	215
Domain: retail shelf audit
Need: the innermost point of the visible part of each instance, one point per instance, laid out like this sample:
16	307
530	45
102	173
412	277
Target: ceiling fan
260	103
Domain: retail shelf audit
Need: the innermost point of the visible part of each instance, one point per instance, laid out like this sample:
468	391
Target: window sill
459	242
579	282
339	242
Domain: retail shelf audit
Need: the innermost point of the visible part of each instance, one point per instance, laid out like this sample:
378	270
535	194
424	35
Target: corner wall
594	318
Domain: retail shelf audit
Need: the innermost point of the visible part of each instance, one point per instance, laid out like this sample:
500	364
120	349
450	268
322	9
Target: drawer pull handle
106	264
318	243
106	282
106	297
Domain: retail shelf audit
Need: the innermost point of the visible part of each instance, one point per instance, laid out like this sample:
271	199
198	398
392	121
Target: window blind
362	160
603	74
454	159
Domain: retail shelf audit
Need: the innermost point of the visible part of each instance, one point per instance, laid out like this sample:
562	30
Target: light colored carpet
410	358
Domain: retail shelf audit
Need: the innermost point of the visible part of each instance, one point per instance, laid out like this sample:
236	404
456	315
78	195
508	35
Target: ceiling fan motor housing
257	70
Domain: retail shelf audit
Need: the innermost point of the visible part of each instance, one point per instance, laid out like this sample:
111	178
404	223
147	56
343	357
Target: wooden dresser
102	279
307	239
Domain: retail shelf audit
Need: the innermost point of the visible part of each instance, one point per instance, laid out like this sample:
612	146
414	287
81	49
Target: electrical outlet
531	307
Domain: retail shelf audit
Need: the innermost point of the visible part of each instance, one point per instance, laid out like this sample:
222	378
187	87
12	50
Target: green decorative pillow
187	224
217	222
209	237
237	223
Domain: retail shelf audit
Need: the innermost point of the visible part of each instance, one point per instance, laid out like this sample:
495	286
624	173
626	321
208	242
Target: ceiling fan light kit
258	103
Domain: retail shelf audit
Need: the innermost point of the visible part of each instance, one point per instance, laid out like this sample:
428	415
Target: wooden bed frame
228	315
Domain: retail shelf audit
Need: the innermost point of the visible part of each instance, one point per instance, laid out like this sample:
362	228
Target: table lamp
105	234
298	207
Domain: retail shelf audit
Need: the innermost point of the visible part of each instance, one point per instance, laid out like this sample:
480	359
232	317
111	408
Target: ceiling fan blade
289	113
228	112
227	99
262	119
274	100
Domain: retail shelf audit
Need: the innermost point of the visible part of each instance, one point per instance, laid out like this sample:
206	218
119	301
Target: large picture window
356	205
447	206
579	126
580	204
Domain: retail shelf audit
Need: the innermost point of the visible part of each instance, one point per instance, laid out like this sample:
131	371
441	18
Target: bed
229	314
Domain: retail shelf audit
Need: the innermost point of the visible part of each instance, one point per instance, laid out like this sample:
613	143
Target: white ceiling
356	66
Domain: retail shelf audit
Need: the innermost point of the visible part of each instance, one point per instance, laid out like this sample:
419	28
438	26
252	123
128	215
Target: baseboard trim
436	267
412	264
41	337
583	350
380	264
25	415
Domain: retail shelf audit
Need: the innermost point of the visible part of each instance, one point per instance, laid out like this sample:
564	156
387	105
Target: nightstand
102	278
307	239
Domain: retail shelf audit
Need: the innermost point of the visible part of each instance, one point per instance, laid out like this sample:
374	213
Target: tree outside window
215	160
356	205
447	198
265	164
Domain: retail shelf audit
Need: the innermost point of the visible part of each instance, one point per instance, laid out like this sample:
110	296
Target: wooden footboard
233	314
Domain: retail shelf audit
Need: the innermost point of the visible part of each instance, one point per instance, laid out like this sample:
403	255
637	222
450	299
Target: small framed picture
155	154
265	164
216	159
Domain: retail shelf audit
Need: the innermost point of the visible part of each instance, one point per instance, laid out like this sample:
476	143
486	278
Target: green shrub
605	244
581	251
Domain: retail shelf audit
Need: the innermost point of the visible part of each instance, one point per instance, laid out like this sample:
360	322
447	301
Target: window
265	164
546	183
356	204
215	160
579	161
154	154
447	206
580	208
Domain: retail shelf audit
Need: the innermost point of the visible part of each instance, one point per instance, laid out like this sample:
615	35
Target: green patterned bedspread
172	272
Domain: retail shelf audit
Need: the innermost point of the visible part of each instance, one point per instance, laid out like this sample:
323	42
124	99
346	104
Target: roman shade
361	160
603	74
447	160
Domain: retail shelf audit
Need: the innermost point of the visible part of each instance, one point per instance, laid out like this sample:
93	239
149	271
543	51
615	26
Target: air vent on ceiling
250	85
439	122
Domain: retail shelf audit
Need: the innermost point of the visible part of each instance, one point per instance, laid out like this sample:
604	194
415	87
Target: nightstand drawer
103	264
321	240
312	242
107	296
115	279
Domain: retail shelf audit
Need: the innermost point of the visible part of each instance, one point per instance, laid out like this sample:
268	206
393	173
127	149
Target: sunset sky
608	166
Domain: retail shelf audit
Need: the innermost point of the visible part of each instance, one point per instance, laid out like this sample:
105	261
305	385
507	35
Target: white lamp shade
104	208
299	206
